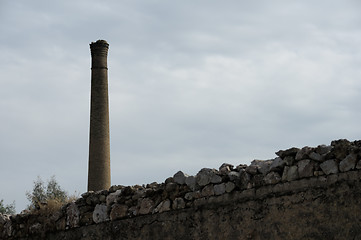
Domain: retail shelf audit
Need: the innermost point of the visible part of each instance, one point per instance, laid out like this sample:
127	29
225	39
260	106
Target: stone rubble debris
183	191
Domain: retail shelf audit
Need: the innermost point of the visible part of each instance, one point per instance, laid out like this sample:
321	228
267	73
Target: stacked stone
292	169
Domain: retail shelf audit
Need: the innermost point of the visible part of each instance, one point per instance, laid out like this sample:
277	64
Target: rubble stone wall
307	193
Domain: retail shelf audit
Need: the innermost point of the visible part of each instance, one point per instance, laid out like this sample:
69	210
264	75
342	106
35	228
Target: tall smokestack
99	147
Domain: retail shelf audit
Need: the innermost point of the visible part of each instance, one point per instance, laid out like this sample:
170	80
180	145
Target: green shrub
42	195
7	209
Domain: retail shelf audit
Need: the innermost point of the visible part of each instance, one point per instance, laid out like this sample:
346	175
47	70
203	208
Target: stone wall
308	193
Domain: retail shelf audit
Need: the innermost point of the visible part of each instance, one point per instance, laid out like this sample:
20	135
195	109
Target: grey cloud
192	84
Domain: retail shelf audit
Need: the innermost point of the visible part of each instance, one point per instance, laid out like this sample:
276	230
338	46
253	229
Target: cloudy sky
192	84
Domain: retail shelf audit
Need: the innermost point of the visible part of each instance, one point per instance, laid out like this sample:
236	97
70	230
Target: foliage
42	196
7	209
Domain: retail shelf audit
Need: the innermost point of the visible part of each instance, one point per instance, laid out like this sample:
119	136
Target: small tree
42	195
54	191
7	209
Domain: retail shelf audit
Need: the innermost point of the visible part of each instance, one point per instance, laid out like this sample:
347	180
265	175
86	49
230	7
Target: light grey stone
180	177
234	176
152	185
348	163
216	179
163	206
230	186
289	152
252	170
240	167
204	176
329	167
272	178
285	173
303	153
224	170
323	149
316	156
263	165
112	197
146	206
292	173
191	182
219	189
225	167
100	213
278	163
289	160
305	168
114	188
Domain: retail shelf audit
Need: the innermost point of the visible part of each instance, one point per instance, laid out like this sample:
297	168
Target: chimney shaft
99	146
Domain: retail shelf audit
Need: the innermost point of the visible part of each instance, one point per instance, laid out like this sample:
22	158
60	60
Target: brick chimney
99	144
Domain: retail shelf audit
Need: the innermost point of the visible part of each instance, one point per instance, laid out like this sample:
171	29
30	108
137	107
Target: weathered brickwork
307	193
99	144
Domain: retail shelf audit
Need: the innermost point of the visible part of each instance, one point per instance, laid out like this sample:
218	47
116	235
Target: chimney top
99	43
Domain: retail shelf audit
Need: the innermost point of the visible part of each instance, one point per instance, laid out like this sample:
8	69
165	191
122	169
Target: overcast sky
192	84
